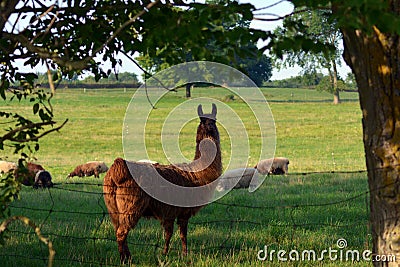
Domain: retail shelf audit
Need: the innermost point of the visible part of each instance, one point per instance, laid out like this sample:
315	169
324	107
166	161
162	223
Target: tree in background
258	68
211	45
319	28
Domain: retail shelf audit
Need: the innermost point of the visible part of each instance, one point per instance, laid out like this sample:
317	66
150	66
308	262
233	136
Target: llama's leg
183	228
122	234
168	230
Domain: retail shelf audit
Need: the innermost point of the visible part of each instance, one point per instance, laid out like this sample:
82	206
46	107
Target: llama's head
207	126
207	139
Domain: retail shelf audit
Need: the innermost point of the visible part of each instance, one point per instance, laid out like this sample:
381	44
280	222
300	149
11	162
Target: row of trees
258	69
122	78
69	36
316	81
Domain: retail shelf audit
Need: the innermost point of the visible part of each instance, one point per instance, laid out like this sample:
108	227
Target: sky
275	8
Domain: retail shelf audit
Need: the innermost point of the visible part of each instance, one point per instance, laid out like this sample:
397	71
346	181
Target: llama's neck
207	161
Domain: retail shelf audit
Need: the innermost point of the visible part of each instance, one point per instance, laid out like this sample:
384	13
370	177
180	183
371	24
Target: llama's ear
214	110
200	111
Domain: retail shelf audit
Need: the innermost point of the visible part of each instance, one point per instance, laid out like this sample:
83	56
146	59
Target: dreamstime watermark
139	114
340	253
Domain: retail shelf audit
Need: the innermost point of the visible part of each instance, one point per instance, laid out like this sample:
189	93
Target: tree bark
6	9
336	96
375	61
189	87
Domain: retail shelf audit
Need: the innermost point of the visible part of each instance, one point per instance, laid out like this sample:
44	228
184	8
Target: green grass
297	211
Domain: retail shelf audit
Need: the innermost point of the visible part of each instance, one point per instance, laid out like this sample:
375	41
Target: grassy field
295	212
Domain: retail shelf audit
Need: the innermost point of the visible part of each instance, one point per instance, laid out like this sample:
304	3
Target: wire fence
51	210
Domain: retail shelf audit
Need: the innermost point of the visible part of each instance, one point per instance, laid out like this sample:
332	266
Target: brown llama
127	202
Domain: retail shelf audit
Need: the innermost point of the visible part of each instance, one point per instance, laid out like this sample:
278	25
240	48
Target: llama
127	202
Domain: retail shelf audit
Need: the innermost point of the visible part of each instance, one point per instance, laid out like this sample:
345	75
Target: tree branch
31	224
66	61
123	26
147	73
272	5
10	134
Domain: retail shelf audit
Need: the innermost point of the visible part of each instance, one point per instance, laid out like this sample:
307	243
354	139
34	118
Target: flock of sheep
35	175
127	201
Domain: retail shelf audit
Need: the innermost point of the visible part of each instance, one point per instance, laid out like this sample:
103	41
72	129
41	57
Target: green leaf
35	108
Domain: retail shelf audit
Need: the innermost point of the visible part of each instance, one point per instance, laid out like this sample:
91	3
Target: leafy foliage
9	188
217	31
259	69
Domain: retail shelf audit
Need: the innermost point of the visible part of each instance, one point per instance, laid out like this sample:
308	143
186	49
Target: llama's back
122	195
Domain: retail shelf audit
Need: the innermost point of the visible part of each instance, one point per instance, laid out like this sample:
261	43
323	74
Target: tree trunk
189	87
336	97
375	61
333	79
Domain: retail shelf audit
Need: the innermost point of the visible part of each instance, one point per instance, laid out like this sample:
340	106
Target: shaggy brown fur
33	175
88	169
127	202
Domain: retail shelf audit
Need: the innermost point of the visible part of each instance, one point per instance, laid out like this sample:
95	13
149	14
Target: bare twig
50	78
10	135
31	224
272	5
147	73
278	17
47	29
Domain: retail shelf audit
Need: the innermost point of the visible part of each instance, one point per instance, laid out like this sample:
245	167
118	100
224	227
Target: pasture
310	209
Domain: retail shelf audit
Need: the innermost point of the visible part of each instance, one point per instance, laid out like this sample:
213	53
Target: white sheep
6	166
278	165
239	178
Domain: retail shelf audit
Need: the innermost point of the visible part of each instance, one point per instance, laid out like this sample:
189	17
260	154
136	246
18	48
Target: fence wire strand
101	215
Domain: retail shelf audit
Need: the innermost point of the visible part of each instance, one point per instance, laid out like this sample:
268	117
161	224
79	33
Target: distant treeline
316	81
93	85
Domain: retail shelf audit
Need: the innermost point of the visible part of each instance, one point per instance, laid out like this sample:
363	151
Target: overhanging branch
37	230
10	135
66	62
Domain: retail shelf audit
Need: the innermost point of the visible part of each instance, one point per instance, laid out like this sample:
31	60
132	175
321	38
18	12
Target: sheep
277	166
42	179
238	178
127	202
6	166
88	169
103	167
33	175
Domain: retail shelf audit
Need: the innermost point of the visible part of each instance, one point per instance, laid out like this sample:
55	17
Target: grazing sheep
88	169
278	165
6	166
238	178
103	167
33	175
43	179
127	202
